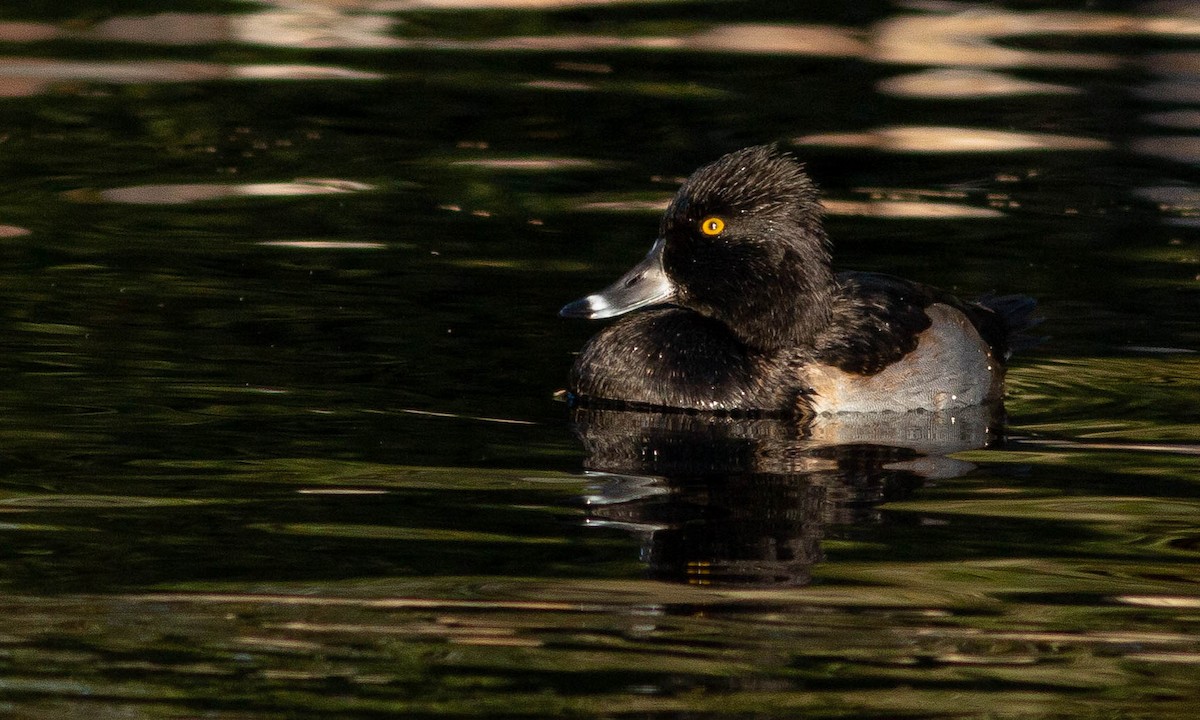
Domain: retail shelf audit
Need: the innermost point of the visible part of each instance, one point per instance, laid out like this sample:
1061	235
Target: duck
736	309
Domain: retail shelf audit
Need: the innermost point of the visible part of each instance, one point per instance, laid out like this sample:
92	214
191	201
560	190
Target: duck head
741	243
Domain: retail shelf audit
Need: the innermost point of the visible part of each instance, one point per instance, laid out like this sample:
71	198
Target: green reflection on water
1128	398
286	454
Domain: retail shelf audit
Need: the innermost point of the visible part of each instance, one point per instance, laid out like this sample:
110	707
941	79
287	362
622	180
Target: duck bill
645	284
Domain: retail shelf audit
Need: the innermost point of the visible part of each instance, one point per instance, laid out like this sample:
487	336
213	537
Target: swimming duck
740	311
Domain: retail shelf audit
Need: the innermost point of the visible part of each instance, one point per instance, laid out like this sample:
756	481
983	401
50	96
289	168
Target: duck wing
877	319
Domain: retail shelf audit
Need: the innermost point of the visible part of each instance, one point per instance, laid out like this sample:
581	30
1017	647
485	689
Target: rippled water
280	436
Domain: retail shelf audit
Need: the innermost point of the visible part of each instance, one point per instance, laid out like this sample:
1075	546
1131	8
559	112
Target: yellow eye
712	225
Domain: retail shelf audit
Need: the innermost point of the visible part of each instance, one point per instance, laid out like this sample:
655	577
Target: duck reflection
723	500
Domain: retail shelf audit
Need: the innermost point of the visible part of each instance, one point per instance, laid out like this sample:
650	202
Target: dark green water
279	343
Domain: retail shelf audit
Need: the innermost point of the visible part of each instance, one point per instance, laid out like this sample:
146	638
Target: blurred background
278	301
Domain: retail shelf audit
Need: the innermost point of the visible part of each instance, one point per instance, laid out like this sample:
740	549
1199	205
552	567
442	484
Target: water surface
280	434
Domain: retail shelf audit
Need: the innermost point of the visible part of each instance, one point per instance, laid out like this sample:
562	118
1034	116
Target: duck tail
1015	312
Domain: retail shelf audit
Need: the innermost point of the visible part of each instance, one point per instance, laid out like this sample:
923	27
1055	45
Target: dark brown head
741	243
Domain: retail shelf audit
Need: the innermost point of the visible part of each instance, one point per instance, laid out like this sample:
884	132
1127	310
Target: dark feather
759	309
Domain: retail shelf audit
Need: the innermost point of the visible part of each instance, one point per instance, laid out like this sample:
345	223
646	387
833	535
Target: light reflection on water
930	139
279	434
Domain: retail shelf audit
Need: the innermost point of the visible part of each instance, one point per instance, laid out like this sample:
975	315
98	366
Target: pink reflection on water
11	231
934	139
1177	88
179	194
970	38
914	209
966	83
24	77
21	32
